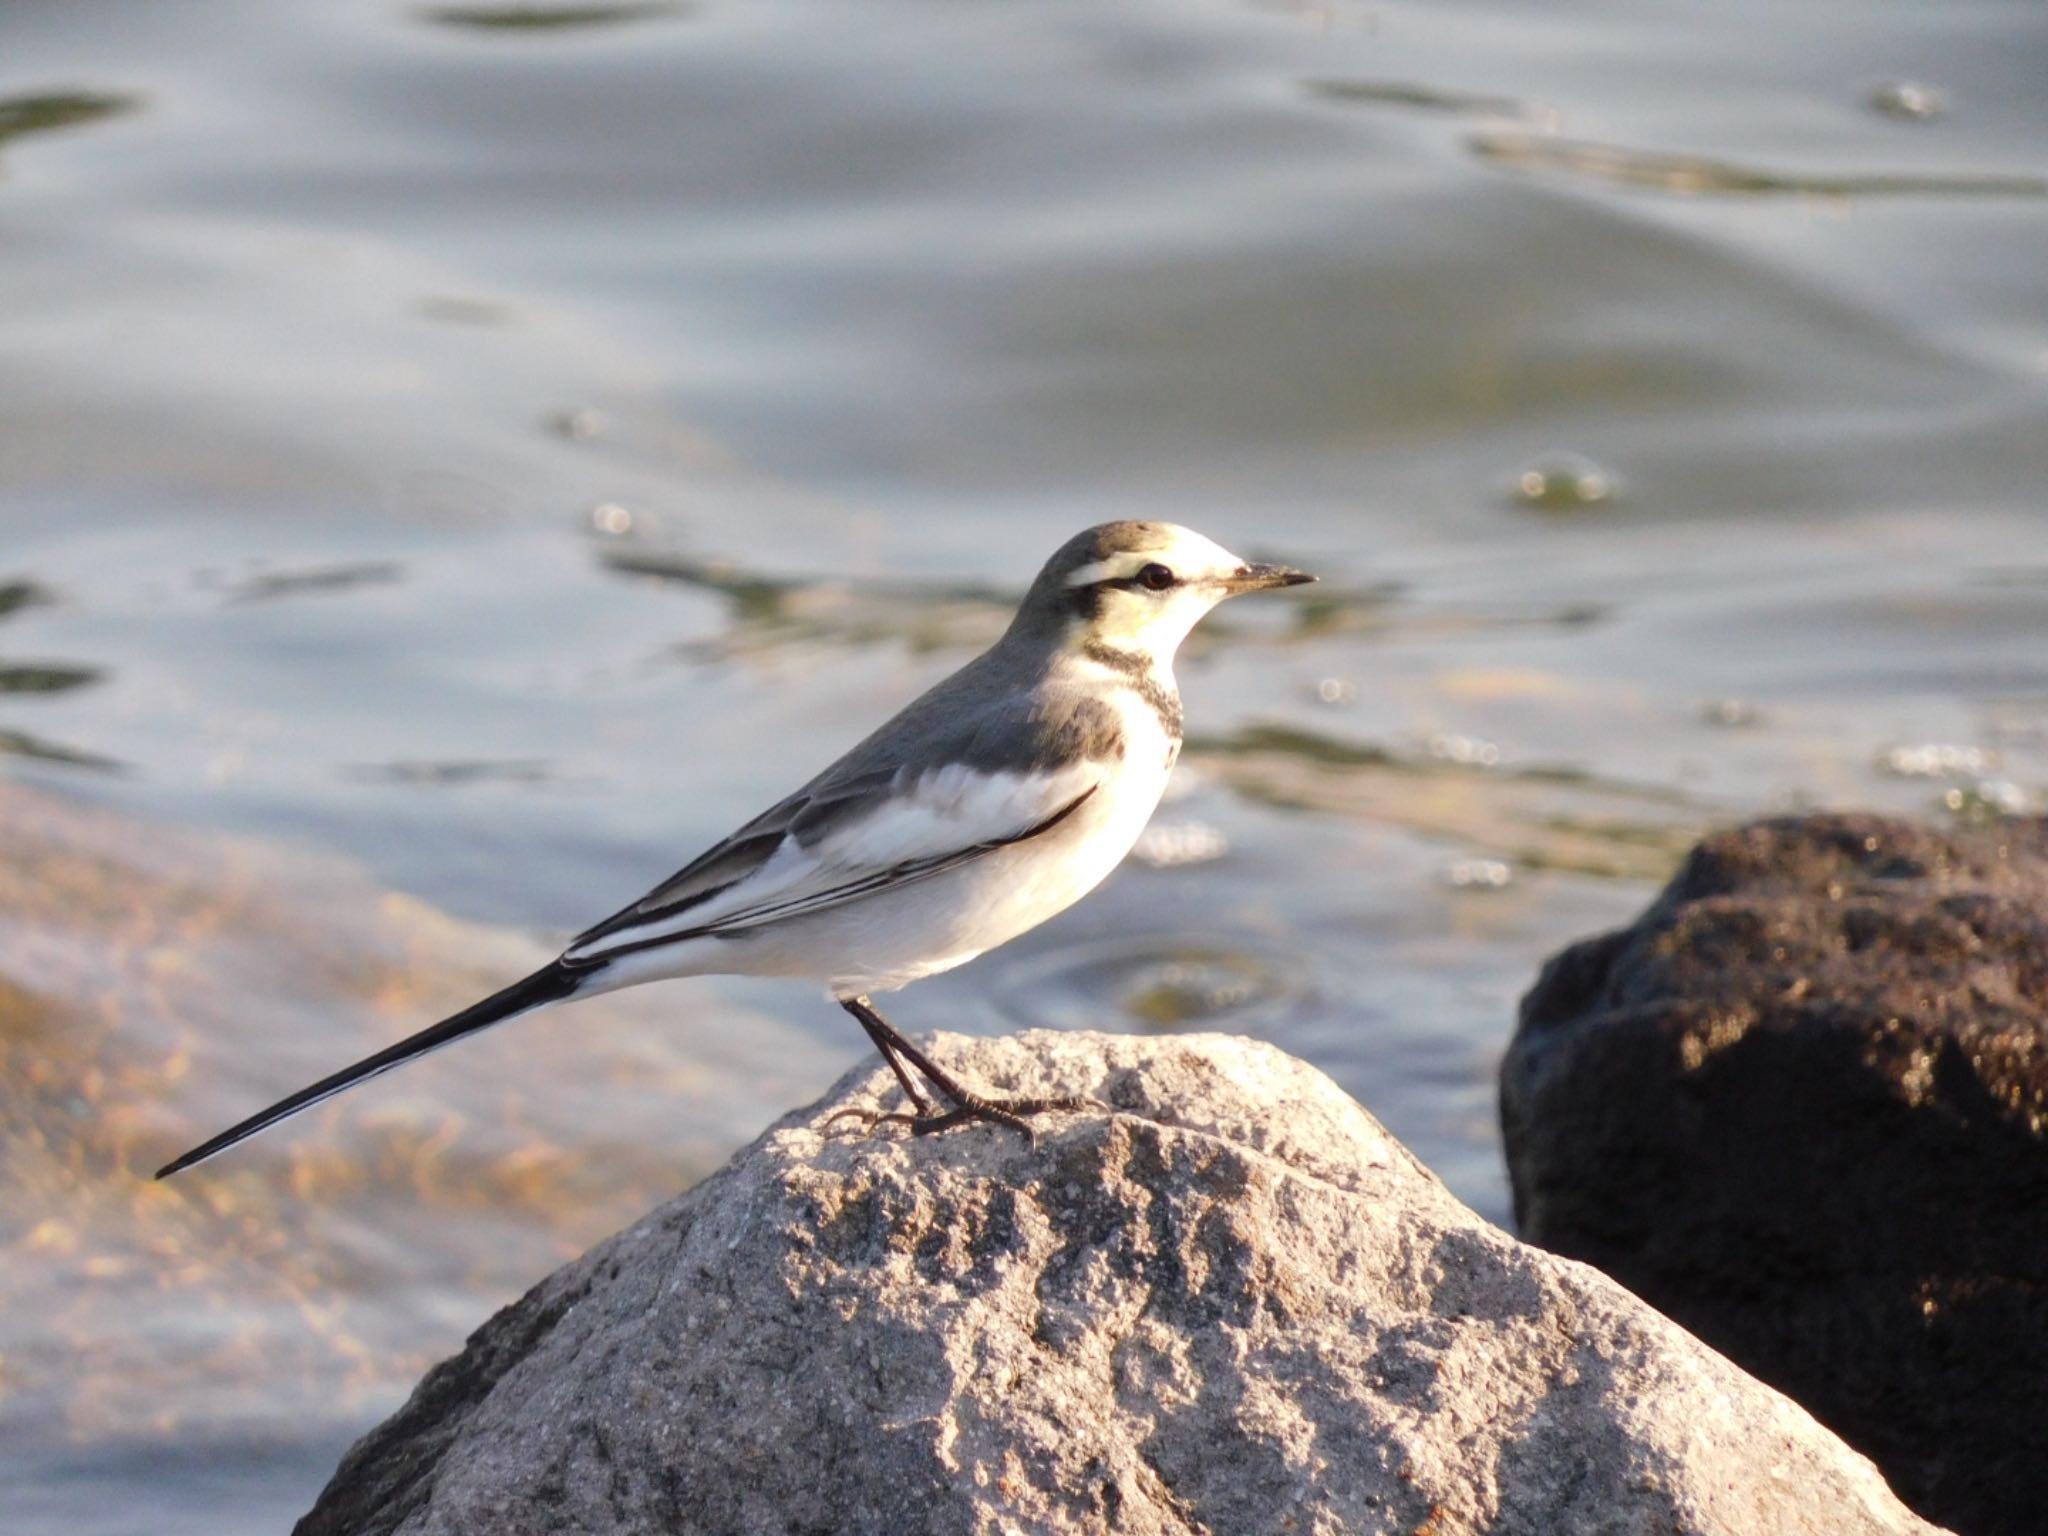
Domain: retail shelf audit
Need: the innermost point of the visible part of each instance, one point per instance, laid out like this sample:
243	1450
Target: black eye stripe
1138	583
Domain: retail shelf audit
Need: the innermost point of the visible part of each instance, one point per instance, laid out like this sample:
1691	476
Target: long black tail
550	984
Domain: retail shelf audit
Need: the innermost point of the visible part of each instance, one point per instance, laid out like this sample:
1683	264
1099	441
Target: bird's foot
870	1118
924	1120
968	1108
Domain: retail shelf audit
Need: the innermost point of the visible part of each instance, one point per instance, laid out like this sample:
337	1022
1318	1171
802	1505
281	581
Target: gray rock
1233	1303
1801	1106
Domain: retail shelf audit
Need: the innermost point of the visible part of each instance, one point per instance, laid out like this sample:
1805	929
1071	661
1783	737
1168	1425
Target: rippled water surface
456	460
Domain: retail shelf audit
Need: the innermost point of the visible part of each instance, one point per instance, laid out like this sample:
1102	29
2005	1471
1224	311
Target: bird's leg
910	1089
885	1040
967	1106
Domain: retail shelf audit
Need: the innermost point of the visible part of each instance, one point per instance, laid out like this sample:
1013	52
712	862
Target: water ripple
1700	175
44	111
43	750
1157	983
45	677
1423	98
547	18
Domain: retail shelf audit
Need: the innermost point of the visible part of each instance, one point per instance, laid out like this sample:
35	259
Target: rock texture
1800	1107
1227	1302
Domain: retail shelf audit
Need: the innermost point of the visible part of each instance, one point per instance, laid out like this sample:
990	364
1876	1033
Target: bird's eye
1155	578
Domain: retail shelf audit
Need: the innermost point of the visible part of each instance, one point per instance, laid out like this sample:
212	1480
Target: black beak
1257	578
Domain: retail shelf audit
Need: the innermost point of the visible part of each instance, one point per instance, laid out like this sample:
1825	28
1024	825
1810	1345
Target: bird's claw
868	1118
926	1121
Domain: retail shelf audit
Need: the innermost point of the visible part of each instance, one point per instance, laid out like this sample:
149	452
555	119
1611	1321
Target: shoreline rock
1801	1106
1227	1302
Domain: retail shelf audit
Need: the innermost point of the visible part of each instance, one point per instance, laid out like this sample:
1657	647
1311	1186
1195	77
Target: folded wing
834	842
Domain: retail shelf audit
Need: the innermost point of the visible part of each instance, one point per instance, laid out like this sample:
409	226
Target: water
455	461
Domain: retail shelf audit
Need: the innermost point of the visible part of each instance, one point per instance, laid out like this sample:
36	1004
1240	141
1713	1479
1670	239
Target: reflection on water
38	677
548	18
1153	984
269	586
1423	98
17	595
1541	817
771	613
768	613
454	775
57	755
21	115
42	679
1699	175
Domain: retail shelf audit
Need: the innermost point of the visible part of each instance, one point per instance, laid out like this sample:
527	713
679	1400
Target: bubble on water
1935	760
1336	690
611	519
1478	874
1561	482
1988	799
1466	751
1910	101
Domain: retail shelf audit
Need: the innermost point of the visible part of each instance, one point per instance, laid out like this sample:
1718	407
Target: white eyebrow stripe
1116	567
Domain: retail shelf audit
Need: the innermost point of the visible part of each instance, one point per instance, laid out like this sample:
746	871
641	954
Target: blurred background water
456	460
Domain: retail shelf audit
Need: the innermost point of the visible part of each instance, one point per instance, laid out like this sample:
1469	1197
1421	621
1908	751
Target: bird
999	797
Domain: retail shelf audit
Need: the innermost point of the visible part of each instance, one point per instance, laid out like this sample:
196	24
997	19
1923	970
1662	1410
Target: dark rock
1800	1107
1228	1303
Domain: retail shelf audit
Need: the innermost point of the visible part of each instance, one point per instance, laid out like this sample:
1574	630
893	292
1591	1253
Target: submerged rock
1228	1301
157	982
1800	1106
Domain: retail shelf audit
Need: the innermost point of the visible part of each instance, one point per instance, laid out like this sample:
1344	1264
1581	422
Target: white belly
948	920
883	942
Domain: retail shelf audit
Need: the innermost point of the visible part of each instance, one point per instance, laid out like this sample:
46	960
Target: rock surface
1800	1107
1230	1303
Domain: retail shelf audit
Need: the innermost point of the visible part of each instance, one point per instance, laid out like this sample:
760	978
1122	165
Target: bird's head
1139	587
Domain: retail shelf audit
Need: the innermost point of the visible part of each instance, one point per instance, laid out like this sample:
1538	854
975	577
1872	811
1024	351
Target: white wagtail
1002	796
